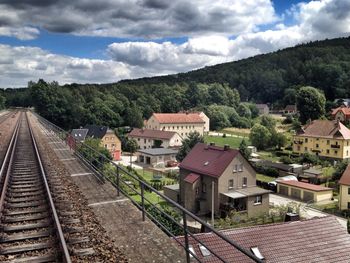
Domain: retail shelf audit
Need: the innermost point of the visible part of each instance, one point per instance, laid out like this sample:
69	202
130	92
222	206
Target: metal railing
172	219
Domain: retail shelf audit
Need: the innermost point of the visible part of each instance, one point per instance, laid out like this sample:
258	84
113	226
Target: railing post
187	247
143	200
118	178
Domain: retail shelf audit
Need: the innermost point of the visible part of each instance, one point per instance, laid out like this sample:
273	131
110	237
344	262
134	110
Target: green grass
233	142
264	178
151	197
148	176
271	156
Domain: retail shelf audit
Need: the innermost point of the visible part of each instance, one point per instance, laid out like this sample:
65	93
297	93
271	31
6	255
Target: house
345	102
172	191
223	173
283	169
290	109
147	138
109	140
324	138
321	240
182	123
344	190
263	109
156	157
341	113
79	134
304	191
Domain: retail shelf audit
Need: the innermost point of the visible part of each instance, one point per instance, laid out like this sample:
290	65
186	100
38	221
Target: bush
286	160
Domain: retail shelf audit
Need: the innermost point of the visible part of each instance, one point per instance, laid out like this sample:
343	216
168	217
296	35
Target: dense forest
222	91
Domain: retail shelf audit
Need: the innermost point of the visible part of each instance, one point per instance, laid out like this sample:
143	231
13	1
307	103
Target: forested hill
265	78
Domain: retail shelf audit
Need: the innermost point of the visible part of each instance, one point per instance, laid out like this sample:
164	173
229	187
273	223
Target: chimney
212	144
226	147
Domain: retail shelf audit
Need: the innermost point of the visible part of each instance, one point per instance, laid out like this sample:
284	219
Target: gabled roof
307	186
326	129
178	117
151	134
96	131
291	108
343	109
319	240
208	160
345	178
191	178
79	134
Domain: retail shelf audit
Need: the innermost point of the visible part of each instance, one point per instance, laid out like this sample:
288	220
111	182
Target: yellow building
324	138
344	190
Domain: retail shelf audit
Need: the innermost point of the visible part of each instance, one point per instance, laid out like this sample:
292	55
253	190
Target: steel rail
62	241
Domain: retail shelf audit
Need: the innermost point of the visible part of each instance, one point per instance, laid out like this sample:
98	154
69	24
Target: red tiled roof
319	240
178	118
326	129
345	178
191	178
153	134
311	187
344	110
208	160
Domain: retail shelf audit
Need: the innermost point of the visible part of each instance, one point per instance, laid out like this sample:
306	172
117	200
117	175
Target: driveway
306	211
125	161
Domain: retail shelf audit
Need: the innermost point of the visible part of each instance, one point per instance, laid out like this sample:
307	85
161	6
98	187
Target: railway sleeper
24	194
51	257
24	199
38	209
25	204
26	248
19	182
24	236
80	252
30	226
78	240
38	188
14	219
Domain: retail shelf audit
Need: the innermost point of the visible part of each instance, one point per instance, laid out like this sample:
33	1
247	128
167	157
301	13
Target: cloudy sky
107	40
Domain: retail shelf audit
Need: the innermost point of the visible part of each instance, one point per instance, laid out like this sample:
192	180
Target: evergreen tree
187	145
243	148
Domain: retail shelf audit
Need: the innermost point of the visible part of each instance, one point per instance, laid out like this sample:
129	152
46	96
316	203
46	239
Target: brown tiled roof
311	187
208	160
320	240
178	118
345	110
152	134
326	129
290	108
191	178
345	178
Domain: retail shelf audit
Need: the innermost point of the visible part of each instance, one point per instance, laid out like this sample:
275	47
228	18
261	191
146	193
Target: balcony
335	146
298	142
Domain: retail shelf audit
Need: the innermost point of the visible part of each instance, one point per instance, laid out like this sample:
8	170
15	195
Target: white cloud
18	65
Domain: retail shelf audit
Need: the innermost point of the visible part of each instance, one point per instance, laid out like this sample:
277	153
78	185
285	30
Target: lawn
233	142
264	178
236	131
271	156
148	176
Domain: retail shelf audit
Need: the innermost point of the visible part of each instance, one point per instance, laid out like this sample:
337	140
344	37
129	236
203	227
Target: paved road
306	211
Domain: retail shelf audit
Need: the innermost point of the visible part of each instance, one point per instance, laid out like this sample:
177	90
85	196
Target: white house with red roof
225	171
182	123
147	138
344	190
341	113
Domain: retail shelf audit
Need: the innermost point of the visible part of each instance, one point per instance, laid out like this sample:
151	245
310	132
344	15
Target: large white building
182	123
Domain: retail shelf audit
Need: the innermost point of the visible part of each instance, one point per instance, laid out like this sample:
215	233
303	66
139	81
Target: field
233	142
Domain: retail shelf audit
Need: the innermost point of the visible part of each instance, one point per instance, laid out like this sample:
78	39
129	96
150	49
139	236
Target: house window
230	184
347	153
305	148
258	200
177	127
204	188
347	143
348	190
298	148
317	145
348	205
327	151
138	139
335	152
105	145
240	168
144	140
244	182
327	142
197	191
306	139
235	168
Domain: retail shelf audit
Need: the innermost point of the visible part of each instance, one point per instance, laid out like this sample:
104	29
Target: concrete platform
140	241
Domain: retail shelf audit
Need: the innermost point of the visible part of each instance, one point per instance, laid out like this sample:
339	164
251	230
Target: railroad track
37	224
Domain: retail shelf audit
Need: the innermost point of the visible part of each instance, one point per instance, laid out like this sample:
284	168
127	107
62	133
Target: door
296	193
308	196
283	190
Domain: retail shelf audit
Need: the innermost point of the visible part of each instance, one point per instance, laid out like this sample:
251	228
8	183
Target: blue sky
108	40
